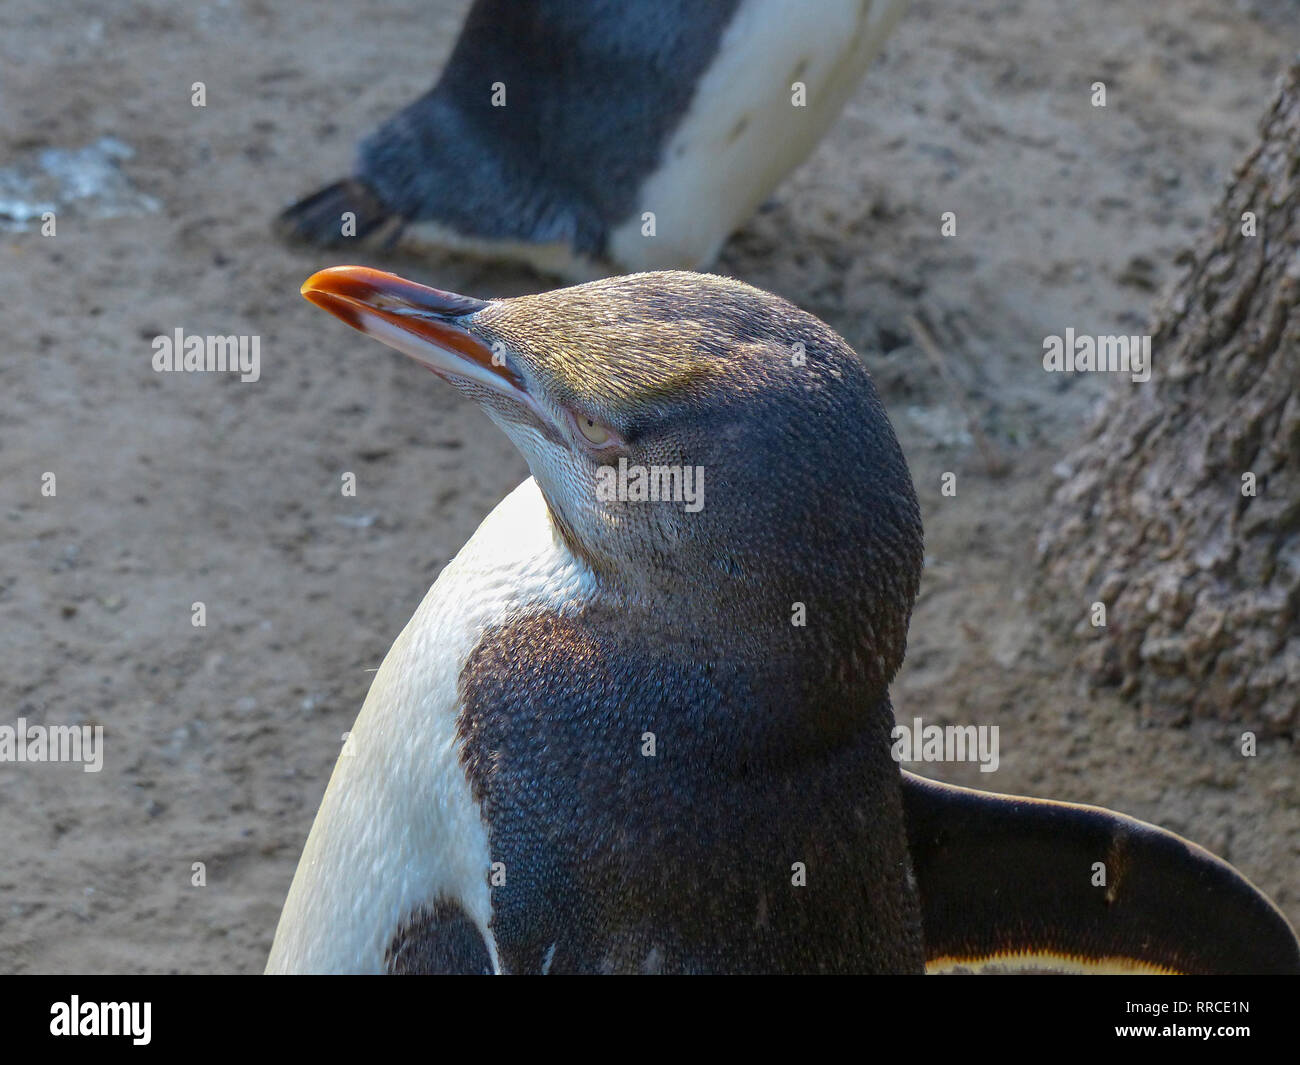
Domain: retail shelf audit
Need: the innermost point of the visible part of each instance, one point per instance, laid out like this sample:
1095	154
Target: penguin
587	138
641	722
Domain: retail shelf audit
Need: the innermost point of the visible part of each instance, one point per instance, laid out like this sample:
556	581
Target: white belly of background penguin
742	132
688	112
601	746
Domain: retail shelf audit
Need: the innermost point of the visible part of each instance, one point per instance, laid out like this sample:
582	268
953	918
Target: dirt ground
173	489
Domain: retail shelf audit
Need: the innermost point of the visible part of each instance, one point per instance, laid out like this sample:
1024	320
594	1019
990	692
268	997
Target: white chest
398	827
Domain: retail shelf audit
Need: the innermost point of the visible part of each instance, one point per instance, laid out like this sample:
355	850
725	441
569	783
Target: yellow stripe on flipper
1044	961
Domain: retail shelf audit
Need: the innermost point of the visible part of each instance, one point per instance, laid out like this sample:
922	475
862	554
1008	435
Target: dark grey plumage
773	738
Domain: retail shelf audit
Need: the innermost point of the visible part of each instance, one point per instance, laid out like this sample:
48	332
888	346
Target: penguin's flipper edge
1010	884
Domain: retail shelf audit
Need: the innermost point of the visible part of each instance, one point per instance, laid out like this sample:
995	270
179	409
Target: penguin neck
806	660
822	619
771	694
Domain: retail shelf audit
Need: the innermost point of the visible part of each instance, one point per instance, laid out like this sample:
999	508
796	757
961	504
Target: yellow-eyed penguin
600	745
581	137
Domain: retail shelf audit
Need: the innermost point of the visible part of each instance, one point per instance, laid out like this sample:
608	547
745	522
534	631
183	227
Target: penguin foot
340	214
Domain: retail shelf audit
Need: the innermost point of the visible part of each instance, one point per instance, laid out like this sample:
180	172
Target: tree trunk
1181	510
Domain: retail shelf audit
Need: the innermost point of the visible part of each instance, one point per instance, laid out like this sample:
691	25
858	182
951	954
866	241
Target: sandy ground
173	489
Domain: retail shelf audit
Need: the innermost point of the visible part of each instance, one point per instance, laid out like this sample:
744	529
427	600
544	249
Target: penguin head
705	447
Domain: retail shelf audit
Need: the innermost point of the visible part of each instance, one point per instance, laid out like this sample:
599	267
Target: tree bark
1156	520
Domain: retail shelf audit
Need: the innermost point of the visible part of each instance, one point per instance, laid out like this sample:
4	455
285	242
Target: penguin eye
593	432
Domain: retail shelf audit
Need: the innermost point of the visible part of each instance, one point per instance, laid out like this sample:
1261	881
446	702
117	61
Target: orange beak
431	326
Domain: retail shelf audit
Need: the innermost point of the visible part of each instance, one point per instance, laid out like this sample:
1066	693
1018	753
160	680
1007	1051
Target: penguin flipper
1010	884
319	218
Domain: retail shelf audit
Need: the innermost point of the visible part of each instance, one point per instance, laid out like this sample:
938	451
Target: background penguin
612	108
601	746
